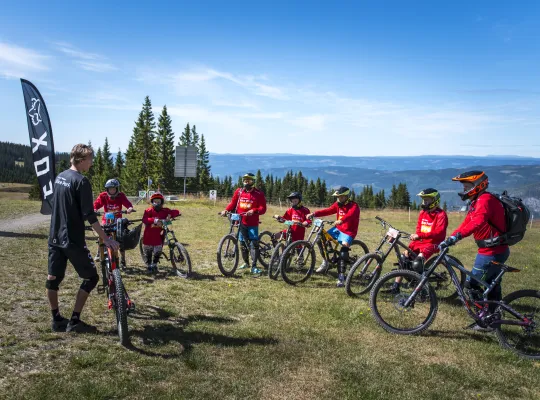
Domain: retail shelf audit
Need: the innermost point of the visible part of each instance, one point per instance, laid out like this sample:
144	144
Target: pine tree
108	165
165	151
185	137
259	181
130	173
98	181
62	166
195	137
118	165
204	165
445	206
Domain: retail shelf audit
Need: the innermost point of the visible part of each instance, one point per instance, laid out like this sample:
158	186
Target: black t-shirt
72	204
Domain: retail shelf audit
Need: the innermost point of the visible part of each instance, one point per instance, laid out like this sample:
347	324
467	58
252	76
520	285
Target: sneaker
97	258
340	280
59	326
322	268
255	270
80	327
243	266
123	264
394	289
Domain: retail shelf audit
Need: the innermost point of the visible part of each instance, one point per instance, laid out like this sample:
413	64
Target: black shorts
80	258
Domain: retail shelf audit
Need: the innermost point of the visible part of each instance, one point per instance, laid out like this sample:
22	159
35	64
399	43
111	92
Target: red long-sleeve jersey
349	213
243	201
431	226
297	215
152	233
483	211
112	205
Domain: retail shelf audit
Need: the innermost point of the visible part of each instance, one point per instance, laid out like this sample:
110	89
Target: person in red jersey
112	200
250	202
297	213
485	220
153	218
430	232
345	229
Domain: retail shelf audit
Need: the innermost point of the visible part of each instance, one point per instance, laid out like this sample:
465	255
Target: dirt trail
26	223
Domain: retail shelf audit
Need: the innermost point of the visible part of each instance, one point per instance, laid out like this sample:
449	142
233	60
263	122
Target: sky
361	78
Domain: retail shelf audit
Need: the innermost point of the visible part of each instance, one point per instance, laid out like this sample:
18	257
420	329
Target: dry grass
244	337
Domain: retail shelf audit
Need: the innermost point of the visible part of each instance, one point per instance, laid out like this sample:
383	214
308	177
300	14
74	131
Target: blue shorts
252	233
340	236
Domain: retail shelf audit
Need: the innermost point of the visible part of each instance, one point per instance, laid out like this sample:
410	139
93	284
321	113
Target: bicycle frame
323	237
170	237
461	293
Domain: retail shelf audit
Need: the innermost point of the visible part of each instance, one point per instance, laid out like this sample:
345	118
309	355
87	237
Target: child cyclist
297	213
153	233
430	232
345	229
112	200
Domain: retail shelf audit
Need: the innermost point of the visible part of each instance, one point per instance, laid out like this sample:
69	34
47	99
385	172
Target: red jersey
431	226
297	215
153	234
243	201
112	205
486	208
349	213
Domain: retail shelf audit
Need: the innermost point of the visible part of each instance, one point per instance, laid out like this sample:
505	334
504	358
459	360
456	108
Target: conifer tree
165	151
118	165
108	165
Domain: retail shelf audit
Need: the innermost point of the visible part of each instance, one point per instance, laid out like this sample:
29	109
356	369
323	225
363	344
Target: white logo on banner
34	112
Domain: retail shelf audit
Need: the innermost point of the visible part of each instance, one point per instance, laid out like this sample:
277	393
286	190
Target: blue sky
356	79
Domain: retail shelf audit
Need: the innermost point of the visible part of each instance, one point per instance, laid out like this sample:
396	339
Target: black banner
41	142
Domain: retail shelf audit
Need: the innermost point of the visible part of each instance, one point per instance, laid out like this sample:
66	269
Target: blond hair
80	152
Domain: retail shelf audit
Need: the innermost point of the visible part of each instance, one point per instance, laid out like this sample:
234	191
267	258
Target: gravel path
28	222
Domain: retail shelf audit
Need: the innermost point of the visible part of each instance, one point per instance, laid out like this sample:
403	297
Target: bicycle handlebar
99	213
385	223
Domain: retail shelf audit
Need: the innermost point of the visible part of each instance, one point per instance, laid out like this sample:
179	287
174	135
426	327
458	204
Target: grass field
233	338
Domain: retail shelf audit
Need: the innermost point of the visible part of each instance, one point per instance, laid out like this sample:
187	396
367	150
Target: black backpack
517	216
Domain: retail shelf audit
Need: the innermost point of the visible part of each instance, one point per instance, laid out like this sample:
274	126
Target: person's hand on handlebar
130	210
310	216
338	222
250	213
414	236
223	213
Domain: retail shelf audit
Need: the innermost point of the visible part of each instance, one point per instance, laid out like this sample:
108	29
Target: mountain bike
365	272
178	255
227	251
515	318
298	260
112	285
274	266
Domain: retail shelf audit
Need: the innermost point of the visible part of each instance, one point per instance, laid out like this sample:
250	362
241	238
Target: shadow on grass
25	235
164	334
463	335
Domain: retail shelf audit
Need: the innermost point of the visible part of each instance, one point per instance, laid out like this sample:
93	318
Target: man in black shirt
72	205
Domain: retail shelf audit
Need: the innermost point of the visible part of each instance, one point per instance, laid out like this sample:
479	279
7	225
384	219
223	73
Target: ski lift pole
185	170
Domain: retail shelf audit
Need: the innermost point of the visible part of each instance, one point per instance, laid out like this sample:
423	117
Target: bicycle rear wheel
522	340
275	261
298	262
120	307
227	255
363	275
180	260
387	305
266	248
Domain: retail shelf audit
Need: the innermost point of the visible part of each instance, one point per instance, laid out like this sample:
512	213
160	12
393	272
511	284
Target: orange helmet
157	196
478	178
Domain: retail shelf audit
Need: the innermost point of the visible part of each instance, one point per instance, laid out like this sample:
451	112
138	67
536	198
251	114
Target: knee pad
89	284
418	264
54	284
344	253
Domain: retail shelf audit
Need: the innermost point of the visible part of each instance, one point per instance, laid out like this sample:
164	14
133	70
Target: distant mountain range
518	175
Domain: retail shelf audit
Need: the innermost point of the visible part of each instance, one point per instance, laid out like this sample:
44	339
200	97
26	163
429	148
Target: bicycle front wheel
388	303
298	262
180	260
266	248
227	255
363	275
120	307
523	340
275	261
357	250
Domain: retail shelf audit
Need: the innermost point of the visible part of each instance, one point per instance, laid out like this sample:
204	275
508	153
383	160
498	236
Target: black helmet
295	195
112	183
248	176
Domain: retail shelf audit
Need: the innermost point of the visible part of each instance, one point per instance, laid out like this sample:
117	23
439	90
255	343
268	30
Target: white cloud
17	62
311	122
88	61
